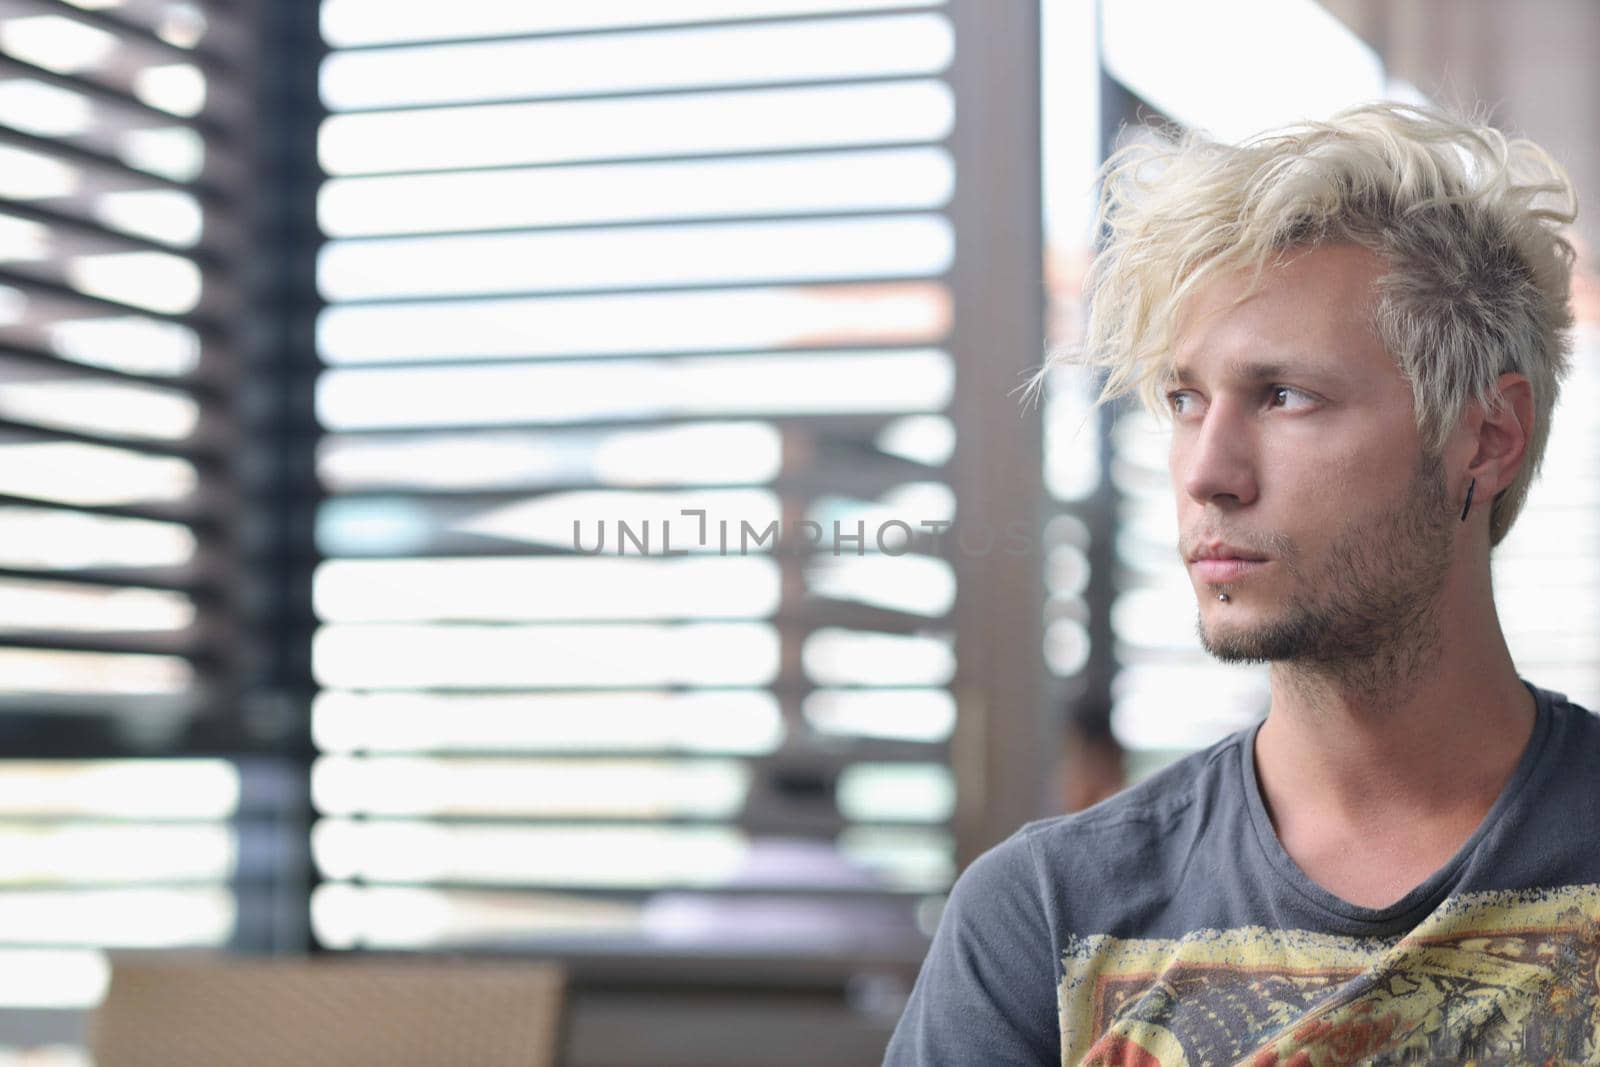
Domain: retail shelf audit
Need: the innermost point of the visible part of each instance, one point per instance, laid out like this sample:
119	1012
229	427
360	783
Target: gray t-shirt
1168	926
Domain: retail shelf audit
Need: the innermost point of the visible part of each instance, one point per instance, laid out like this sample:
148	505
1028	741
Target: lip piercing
1223	597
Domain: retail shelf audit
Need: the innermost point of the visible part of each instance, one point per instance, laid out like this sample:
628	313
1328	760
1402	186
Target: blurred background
547	480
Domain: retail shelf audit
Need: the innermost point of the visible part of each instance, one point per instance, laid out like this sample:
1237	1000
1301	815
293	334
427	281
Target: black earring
1470	487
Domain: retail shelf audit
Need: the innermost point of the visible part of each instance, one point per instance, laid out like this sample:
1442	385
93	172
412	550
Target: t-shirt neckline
1432	889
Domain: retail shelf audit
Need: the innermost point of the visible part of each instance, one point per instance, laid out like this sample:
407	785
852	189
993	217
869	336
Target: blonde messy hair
1467	223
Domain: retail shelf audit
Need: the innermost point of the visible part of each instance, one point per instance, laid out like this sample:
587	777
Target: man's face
1303	493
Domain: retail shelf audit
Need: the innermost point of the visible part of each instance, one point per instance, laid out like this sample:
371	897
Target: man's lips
1219	562
1220	570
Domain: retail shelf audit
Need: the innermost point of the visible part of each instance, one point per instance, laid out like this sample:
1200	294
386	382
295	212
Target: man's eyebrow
1248	370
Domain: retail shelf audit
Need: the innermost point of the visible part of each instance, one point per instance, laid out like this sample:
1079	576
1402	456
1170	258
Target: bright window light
1066	646
128	342
570	788
1069	135
810	183
1217	700
525	67
1547	556
926	715
654	521
119	789
725	320
501	657
101	407
911	503
47	539
175	152
63	45
721	453
452	138
177	88
618	857
108	853
36	606
27	671
347	916
28	175
119	918
905	857
374	526
154	281
836	656
23	240
165	215
545	588
926	439
1269	63
792	383
52	979
391	526
182	24
714	453
74	473
1066	570
745	722
1072	446
649	257
13	306
921	585
351	23
897	792
926	500
46	110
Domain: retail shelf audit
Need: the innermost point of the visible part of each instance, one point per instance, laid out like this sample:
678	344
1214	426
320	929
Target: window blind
118	177
632	314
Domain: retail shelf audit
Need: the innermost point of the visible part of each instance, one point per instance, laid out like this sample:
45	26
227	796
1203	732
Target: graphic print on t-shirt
1492	977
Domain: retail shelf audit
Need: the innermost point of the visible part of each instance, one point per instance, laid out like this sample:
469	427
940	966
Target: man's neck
1403	773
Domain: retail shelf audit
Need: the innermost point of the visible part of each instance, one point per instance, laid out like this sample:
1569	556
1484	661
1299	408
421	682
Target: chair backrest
218	1011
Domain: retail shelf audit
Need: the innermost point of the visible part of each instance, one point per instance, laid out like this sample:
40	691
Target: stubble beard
1365	618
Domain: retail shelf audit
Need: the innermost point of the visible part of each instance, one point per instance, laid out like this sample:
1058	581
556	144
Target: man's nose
1216	460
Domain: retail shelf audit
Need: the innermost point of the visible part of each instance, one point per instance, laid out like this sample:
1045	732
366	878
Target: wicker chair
216	1011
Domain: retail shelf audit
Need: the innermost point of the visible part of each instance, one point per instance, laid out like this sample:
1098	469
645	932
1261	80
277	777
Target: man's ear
1502	435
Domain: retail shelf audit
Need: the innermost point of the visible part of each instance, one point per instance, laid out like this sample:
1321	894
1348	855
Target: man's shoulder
1128	833
1580	717
1154	803
1574	730
1575	736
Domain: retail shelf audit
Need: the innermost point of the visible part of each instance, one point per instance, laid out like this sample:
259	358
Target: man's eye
1180	402
1284	396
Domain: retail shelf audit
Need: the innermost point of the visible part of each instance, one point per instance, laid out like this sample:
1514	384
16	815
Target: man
1358	329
